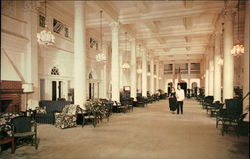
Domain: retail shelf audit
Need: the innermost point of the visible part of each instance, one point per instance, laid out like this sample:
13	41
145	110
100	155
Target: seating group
22	128
229	115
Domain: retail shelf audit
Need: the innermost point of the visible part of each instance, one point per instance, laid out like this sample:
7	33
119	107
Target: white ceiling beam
129	29
180	33
176	45
187	22
142	6
166	49
170	14
161	40
154	26
112	14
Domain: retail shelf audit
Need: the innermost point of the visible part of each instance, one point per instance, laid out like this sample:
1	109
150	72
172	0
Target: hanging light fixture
238	49
45	37
100	57
126	64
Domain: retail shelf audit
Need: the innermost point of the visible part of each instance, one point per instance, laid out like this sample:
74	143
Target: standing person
180	97
172	101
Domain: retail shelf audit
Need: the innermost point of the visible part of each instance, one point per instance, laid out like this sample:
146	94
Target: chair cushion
24	134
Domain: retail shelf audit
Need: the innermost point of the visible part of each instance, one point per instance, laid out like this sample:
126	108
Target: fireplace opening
4	105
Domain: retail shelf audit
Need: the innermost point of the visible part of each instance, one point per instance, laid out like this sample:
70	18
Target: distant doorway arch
93	90
194	85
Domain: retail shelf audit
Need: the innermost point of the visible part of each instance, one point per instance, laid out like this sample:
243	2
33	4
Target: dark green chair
24	130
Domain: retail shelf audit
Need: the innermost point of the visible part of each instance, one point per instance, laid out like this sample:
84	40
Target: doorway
57	90
54	93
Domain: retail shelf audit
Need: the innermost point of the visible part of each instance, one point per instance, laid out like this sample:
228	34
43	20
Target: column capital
228	14
114	25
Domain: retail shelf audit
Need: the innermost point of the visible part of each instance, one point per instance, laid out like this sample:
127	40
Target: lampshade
27	87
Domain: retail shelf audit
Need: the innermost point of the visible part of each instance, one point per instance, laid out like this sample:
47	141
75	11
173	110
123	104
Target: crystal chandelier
45	37
126	65
238	49
100	57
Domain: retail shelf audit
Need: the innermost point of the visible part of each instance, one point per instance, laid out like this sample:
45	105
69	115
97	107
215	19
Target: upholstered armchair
67	118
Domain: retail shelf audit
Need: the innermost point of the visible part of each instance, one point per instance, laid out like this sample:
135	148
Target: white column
152	76
217	67
139	77
173	75
157	75
80	82
144	73
206	76
121	71
133	69
246	59
189	74
31	56
161	85
228	69
115	68
211	71
103	88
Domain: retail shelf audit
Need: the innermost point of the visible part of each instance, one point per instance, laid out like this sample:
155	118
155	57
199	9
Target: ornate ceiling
171	30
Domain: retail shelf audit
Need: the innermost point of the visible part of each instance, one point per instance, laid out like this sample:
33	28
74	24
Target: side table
8	140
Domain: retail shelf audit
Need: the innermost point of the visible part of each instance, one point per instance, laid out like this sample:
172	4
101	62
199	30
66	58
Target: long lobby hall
146	133
100	79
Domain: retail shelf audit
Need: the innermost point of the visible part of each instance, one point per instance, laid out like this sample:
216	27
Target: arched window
54	71
90	75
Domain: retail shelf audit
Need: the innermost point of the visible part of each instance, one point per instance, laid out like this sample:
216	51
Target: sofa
50	107
67	118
